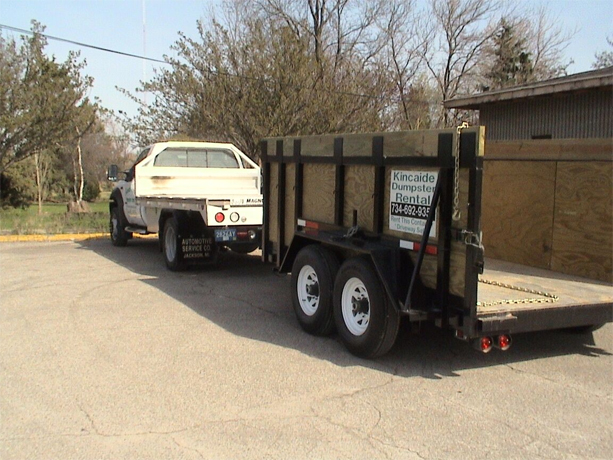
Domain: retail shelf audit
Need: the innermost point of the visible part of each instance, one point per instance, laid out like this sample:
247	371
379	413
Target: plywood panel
359	195
583	224
551	149
517	210
318	201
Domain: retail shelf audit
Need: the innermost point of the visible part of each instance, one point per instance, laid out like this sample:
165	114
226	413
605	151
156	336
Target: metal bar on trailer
443	276
339	182
280	202
474	251
266	193
424	243
299	181
379	195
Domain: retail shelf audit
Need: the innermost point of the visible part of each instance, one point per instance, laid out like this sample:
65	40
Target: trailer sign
411	194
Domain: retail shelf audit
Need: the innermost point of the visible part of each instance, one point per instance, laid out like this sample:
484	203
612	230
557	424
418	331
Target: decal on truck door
411	194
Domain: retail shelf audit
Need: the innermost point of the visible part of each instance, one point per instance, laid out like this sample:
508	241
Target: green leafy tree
44	107
512	63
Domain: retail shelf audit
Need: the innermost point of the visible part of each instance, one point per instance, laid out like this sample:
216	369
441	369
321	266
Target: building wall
580	115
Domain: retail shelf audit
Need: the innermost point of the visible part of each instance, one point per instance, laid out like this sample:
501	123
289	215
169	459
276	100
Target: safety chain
545	296
457	214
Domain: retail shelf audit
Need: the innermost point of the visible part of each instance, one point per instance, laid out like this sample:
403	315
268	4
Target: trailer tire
117	223
366	321
313	273
173	254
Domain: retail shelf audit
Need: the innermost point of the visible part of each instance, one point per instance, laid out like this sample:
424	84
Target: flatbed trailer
376	227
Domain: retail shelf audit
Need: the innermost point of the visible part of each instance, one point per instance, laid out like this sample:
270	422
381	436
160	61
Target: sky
150	27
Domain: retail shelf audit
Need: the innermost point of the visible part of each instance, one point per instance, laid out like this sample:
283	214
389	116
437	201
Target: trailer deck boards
571	290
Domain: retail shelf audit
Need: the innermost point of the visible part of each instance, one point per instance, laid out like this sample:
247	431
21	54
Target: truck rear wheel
172	250
313	274
366	321
119	236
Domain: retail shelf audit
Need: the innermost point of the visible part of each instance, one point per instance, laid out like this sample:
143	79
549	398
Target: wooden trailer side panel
357	160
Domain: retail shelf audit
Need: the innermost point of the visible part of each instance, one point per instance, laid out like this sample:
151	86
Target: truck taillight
219	217
234	217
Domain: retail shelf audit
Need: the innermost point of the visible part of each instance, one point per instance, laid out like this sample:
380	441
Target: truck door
132	211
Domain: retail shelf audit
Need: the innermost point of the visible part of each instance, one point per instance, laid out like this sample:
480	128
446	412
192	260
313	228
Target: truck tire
366	321
119	236
173	255
313	273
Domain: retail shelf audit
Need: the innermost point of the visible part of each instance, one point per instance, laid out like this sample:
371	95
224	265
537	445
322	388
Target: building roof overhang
594	79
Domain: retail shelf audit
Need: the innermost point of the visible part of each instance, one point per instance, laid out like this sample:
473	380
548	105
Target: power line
85	45
211	72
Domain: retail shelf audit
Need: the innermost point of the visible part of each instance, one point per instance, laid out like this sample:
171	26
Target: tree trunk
39	183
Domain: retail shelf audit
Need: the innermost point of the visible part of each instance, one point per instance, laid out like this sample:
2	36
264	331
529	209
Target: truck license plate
225	234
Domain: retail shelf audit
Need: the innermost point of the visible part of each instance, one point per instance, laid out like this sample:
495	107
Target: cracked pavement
105	354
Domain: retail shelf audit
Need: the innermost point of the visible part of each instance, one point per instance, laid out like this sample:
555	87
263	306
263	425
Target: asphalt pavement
104	354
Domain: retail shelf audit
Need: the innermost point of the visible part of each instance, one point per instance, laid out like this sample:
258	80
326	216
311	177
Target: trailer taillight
485	344
219	217
503	342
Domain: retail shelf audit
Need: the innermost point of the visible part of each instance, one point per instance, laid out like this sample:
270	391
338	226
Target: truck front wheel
119	236
172	250
366	321
313	274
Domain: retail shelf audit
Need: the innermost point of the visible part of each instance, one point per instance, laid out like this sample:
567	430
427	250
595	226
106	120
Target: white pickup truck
199	197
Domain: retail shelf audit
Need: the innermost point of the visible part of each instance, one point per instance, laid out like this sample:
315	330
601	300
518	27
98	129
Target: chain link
457	214
546	297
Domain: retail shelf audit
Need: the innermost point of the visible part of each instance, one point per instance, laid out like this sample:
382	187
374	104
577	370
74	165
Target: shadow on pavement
245	297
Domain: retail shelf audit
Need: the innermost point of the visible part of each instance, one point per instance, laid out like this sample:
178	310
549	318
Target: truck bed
577	296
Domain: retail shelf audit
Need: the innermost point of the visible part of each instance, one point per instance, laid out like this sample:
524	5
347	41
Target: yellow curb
60	237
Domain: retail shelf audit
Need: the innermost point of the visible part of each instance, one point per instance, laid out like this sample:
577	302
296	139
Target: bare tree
400	53
545	40
453	42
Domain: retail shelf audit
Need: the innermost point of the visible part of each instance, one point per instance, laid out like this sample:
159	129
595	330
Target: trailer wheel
313	274
366	321
119	236
172	251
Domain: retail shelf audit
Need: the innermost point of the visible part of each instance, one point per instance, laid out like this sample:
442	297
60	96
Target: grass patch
54	220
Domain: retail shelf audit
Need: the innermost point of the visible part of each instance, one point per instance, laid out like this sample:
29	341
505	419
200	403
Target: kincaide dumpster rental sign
411	194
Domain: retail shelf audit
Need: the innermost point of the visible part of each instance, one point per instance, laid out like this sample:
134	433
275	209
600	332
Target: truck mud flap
198	248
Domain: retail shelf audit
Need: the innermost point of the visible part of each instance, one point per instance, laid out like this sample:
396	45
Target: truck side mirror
112	173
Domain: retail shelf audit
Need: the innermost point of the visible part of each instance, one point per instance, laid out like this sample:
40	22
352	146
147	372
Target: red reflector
432	250
242	235
309	224
219	217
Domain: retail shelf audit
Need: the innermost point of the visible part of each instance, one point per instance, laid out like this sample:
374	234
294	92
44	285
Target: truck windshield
196	158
